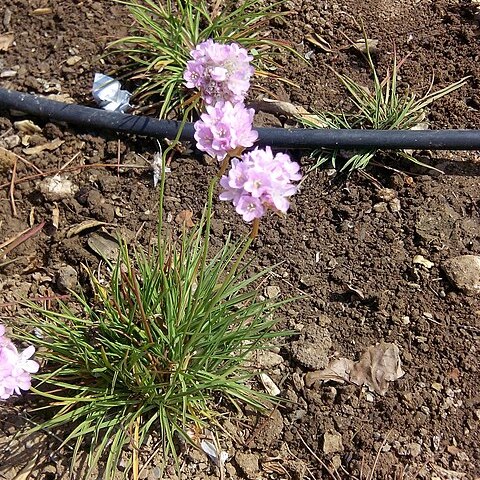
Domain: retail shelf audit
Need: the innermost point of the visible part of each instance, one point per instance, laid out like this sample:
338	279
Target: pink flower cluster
260	180
15	367
225	127
219	71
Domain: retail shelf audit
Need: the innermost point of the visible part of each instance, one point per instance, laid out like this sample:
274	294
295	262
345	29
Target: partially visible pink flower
225	127
221	72
260	180
15	368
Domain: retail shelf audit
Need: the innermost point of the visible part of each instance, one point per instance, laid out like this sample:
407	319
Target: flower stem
255	227
224	165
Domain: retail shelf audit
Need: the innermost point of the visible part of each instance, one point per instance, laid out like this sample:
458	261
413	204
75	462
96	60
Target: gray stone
67	278
267	360
415	449
332	442
312	349
248	464
272	291
464	273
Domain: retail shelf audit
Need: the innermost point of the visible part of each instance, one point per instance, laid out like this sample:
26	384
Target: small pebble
67	278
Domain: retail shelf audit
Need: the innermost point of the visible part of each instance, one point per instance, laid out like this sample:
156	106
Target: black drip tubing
294	138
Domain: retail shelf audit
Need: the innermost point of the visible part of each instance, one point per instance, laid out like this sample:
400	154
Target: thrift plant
166	31
382	108
166	342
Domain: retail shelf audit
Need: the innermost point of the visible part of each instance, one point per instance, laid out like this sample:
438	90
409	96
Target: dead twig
118	157
12	188
333	473
69	162
51	173
21	238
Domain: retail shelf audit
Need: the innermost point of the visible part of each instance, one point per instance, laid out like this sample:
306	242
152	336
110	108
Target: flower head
220	71
260	181
15	368
225	127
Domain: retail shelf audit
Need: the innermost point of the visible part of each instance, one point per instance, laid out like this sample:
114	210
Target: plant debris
6	41
378	365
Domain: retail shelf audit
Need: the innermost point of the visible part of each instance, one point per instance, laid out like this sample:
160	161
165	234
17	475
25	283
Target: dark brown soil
341	243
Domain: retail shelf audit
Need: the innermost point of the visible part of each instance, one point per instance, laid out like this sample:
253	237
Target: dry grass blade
21	238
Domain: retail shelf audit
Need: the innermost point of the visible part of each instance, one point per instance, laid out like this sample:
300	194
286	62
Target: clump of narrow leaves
382	107
167	31
169	334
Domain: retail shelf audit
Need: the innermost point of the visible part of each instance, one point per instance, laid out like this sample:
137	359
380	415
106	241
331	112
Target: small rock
332	443
386	194
464	273
421	260
437	386
8	73
453	450
11	141
380	207
336	462
308	280
155	473
67	278
267	360
415	449
395	205
248	464
57	188
73	60
272	291
312	349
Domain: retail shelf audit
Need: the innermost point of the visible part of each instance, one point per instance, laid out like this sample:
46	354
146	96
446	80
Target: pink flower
15	367
260	181
225	127
220	71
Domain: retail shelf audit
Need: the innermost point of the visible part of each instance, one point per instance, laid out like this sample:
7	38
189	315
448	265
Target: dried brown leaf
185	218
27	126
86	225
277	107
6	41
104	245
319	41
366	45
378	365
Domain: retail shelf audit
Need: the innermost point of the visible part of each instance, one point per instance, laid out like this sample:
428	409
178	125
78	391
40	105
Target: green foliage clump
381	108
170	333
167	31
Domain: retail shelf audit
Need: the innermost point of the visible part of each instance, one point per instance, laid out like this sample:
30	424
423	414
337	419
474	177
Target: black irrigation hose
299	138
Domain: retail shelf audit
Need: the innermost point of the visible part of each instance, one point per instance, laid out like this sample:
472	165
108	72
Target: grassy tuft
167	31
382	108
169	335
